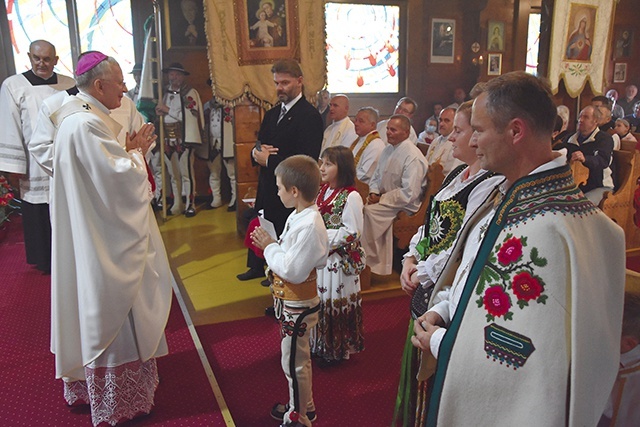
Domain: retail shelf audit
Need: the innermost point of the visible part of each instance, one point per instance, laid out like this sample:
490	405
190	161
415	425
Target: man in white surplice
341	130
20	98
111	282
407	107
398	184
368	147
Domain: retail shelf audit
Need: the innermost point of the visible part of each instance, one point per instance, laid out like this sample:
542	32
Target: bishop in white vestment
111	281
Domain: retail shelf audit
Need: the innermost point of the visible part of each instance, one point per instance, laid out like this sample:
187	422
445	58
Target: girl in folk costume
463	190
339	332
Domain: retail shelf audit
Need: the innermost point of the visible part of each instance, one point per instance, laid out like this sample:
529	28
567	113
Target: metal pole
158	39
74	33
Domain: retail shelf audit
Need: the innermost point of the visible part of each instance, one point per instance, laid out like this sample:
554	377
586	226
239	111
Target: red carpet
30	395
245	355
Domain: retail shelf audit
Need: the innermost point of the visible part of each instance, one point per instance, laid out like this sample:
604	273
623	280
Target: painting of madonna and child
579	45
267	20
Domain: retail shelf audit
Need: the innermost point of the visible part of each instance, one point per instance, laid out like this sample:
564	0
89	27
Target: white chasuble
110	273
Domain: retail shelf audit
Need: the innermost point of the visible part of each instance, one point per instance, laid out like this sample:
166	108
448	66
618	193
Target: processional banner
245	38
580	36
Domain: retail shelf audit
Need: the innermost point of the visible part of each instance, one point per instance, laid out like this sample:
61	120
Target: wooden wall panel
250	116
247	123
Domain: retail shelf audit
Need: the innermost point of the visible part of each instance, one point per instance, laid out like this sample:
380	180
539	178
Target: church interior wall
424	81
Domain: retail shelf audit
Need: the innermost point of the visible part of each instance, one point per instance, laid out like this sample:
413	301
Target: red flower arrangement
6	196
510	252
496	301
526	287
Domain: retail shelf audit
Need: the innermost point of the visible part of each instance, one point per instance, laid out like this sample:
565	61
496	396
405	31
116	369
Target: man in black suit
291	127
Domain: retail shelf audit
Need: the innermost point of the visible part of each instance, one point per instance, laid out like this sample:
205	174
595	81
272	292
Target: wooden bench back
618	205
405	226
580	172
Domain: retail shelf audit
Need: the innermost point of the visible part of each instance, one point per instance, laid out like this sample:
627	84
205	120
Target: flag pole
159	62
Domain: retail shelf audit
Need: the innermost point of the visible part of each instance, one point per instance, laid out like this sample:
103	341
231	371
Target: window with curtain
362	47
103	25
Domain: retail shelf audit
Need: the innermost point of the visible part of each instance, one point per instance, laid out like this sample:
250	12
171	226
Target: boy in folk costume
292	261
183	119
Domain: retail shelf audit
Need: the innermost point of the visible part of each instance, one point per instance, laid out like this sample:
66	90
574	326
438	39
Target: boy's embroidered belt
282	289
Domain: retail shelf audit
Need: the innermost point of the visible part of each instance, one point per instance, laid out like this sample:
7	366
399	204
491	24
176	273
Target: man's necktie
283	111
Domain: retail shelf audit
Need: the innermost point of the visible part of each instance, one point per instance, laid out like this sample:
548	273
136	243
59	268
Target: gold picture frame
495	36
494	64
620	72
184	24
266	30
443	39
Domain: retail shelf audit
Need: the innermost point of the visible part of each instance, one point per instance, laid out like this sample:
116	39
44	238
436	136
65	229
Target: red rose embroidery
525	286
496	302
510	251
191	103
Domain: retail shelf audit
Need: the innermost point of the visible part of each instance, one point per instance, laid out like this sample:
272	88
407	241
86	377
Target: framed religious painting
266	30
620	72
622	43
495	37
494	66
579	42
443	33
184	24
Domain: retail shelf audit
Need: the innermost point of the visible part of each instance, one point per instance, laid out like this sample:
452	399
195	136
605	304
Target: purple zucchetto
88	61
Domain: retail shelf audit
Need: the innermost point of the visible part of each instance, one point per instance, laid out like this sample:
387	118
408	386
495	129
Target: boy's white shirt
303	246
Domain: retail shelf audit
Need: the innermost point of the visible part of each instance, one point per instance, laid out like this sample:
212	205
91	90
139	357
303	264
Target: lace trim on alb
116	393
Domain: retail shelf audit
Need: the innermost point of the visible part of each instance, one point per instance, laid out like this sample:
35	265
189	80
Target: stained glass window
31	20
103	25
362	48
106	26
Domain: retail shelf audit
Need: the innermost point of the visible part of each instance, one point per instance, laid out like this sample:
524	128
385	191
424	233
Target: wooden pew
363	190
580	172
405	225
618	204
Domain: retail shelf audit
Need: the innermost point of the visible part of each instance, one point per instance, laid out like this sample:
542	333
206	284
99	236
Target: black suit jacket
299	132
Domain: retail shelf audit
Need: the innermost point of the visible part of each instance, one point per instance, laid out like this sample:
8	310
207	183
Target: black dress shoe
252	273
231	208
190	212
266	283
270	312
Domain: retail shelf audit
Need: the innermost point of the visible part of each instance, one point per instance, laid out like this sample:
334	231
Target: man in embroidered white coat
183	125
20	99
368	146
341	130
529	332
398	184
111	282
